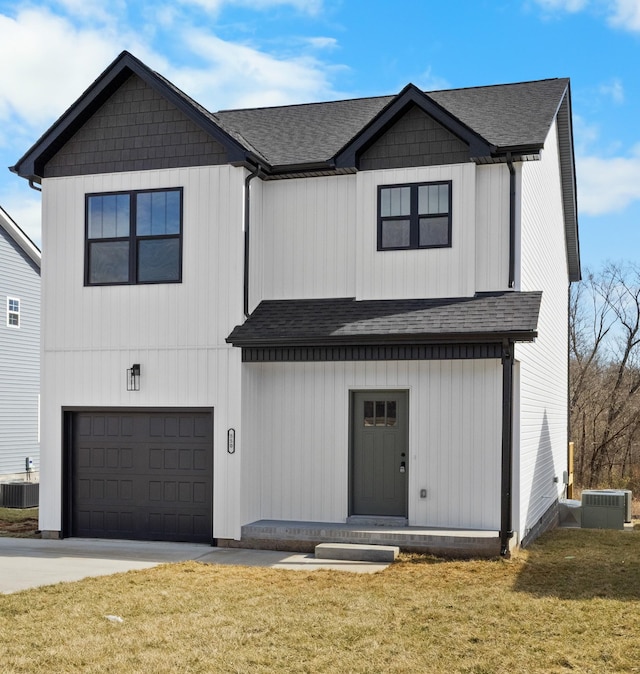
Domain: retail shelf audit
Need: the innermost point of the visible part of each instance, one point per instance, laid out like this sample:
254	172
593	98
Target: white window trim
11	313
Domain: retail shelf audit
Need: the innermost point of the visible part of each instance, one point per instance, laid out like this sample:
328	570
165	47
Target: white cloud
92	10
626	14
430	82
52	62
214	6
570	6
237	75
623	14
54	59
614	90
322	42
608	184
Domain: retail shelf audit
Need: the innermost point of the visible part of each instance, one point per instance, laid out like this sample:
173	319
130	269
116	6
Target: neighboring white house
351	312
19	352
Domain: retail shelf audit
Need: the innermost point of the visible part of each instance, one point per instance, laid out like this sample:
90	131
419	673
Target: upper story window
13	312
134	237
416	215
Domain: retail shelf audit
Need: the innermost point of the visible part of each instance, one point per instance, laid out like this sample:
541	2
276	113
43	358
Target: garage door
142	475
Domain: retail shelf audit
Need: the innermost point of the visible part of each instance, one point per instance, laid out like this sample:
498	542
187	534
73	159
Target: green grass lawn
571	603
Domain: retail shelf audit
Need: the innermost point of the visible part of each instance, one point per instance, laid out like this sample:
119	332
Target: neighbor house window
134	237
13	312
416	215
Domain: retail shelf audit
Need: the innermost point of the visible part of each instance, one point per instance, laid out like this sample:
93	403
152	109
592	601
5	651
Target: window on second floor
13	312
134	237
415	215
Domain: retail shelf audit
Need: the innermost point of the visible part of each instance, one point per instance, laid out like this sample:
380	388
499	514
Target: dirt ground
19	523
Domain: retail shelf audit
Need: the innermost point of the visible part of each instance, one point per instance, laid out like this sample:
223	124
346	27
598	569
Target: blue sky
243	53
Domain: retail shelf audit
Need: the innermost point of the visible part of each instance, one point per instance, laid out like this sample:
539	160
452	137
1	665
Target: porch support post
506	525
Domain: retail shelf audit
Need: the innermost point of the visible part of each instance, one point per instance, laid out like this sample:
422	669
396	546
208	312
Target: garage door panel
157	485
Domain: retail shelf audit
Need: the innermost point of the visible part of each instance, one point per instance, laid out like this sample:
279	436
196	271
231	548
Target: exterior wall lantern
133	377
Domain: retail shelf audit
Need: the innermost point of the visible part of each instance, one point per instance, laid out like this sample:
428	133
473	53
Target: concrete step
357	552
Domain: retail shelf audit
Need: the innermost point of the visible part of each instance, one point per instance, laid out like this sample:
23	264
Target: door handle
403	467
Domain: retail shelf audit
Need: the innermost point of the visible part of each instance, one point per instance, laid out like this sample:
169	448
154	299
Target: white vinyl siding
297	439
318	238
176	332
492	228
543	364
431	272
307	237
19	359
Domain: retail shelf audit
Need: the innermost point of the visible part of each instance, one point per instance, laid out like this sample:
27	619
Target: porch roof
485	317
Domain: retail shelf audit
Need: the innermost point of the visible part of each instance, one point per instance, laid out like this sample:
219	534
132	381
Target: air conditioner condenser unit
604	509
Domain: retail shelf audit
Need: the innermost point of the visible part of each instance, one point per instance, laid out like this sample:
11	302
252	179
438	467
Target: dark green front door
379	458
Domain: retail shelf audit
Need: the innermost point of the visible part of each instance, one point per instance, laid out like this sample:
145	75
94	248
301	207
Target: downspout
506	525
512	221
33	186
247	220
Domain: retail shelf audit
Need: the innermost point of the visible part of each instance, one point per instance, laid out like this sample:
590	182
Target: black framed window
415	215
134	237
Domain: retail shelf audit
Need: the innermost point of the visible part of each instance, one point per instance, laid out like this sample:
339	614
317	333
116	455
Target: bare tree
605	375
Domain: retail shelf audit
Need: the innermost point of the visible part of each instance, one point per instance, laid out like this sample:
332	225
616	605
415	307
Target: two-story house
19	352
333	319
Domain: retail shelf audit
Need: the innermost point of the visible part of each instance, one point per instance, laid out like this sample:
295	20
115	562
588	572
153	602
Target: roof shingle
484	317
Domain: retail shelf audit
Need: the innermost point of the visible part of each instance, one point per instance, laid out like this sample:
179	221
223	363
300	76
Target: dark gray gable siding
136	129
416	139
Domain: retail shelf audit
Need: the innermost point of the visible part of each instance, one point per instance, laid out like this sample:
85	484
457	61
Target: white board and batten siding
435	272
318	238
305	242
175	331
296	451
19	360
543	368
492	228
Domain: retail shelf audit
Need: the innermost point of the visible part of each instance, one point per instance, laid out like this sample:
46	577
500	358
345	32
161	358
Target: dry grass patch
18	523
566	605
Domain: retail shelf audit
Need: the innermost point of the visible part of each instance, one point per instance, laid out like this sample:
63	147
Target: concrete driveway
31	562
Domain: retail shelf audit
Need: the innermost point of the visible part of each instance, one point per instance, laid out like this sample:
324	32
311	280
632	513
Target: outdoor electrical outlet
423	493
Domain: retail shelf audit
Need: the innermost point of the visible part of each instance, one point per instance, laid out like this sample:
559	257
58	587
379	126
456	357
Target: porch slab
304	536
356	552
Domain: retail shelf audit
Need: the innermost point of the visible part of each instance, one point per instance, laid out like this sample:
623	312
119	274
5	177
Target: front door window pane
391	413
368	413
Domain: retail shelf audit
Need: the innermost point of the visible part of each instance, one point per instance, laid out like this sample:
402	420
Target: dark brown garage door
142	475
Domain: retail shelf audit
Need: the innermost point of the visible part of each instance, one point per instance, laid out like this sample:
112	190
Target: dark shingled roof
486	317
507	115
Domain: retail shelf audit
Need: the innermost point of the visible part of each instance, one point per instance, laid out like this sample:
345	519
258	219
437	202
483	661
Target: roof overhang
569	188
19	237
483	318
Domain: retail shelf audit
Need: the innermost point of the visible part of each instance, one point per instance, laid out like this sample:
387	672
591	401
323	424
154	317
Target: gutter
506	524
512	220
247	240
